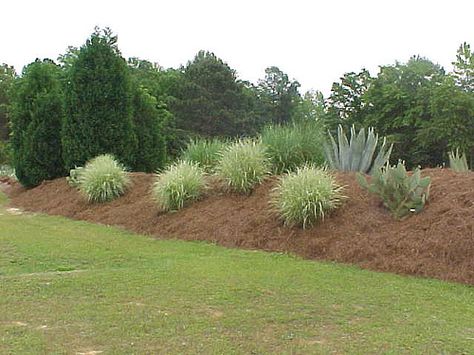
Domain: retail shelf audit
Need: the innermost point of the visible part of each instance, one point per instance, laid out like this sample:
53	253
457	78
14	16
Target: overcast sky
314	42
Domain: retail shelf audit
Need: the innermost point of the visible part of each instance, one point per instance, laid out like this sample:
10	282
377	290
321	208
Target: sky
314	42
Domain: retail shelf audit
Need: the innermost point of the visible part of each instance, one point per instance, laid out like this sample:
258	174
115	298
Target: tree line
91	100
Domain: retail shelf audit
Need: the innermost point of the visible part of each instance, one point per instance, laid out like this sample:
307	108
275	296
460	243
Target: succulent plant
401	192
357	154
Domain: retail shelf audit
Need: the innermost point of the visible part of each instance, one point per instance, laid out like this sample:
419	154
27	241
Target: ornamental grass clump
178	184
103	179
293	145
243	165
306	196
204	152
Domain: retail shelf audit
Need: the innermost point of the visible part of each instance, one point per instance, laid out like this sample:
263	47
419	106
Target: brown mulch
438	242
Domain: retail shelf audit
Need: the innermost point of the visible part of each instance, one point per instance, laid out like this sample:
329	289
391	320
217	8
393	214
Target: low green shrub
357	154
204	152
243	165
179	183
306	196
401	192
74	176
103	179
293	145
458	161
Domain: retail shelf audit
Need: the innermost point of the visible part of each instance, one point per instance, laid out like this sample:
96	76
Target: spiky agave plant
357	154
458	161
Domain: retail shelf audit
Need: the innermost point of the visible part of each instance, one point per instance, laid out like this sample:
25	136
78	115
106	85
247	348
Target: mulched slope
439	242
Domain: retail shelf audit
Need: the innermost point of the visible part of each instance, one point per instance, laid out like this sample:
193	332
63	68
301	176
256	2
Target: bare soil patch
438	242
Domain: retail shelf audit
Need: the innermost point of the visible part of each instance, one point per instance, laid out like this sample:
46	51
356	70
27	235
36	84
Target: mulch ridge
438	242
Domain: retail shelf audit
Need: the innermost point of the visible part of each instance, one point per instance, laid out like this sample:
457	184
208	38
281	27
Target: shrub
401	193
358	153
306	196
204	152
243	165
178	184
98	104
293	145
74	176
458	161
36	115
103	179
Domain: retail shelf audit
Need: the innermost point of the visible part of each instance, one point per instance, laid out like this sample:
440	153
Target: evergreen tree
37	112
7	77
278	96
98	103
210	101
150	122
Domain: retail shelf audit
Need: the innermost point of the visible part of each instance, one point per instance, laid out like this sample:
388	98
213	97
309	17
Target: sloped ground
439	242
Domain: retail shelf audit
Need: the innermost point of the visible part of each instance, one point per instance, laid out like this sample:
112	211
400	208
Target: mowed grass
70	287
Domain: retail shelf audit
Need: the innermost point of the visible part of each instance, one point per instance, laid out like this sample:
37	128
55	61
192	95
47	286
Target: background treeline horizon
58	114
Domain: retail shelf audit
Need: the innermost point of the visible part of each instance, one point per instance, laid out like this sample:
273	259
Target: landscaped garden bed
438	242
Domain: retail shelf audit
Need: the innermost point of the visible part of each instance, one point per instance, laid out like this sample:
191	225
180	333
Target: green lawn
73	287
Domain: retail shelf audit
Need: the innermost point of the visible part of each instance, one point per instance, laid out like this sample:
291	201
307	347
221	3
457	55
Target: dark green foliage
278	96
398	105
401	193
149	121
209	100
37	112
452	121
5	153
98	104
7	77
346	102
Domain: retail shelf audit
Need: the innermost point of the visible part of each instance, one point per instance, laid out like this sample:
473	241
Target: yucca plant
293	145
204	152
458	161
178	184
357	154
306	196
103	179
243	165
401	192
